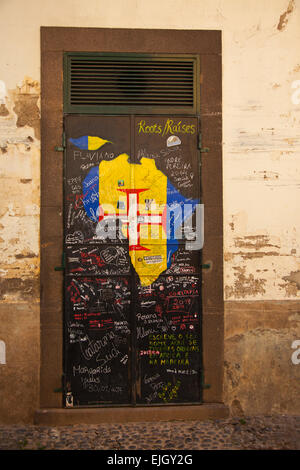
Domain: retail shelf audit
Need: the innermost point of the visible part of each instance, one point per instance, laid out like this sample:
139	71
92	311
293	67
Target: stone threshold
121	414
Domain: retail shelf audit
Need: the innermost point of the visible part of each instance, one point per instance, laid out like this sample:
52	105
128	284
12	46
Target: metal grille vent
99	83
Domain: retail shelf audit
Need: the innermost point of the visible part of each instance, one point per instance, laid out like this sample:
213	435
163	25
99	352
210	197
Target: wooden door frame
207	44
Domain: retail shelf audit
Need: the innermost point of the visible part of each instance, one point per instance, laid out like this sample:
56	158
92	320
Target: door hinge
202	149
205	266
203	384
61	148
63	263
63	385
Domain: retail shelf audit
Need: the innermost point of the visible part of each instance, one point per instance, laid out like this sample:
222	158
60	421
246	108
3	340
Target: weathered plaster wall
261	156
19	243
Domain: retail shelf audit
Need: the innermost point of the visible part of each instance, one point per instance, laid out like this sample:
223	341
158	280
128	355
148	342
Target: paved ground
259	432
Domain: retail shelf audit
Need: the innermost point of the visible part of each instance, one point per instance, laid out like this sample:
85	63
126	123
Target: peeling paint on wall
254	241
255	265
294	277
292	284
17	289
263	258
26	100
3	110
19	191
245	285
257	365
3	92
283	20
28	112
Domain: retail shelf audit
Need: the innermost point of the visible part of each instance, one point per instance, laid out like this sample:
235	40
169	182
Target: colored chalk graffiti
132	285
148	206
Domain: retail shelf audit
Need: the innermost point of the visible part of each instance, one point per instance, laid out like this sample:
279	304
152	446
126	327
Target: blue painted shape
176	216
82	142
90	187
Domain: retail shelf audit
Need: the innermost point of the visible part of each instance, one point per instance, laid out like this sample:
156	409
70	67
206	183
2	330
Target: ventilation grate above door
99	83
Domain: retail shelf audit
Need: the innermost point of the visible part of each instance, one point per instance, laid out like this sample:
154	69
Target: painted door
132	275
